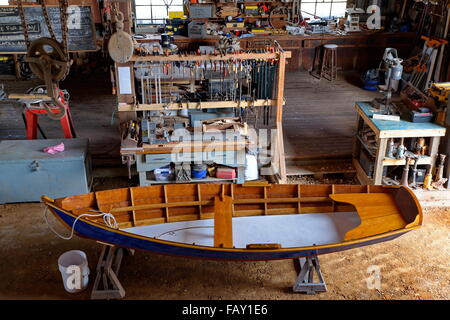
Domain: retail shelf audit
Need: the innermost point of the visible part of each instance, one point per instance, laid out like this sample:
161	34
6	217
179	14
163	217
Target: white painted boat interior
293	230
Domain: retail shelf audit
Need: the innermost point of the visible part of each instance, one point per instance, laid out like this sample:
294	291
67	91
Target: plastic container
226	173
163	174
199	171
74	269
251	168
371	79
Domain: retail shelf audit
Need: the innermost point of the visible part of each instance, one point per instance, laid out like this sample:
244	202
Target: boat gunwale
243	250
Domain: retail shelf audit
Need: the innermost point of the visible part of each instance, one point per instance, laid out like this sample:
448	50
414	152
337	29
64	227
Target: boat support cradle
107	285
305	280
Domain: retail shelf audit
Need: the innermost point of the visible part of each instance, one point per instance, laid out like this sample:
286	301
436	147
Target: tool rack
385	130
129	104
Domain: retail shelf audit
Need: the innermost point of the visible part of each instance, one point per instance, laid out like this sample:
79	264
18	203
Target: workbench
130	103
361	50
386	129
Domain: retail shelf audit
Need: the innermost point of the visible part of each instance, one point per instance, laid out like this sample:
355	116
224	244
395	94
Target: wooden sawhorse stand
305	280
107	285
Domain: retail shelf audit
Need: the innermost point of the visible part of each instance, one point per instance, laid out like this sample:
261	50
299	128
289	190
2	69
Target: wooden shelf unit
386	129
128	103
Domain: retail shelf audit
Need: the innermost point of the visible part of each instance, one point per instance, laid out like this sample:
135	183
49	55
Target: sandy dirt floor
414	266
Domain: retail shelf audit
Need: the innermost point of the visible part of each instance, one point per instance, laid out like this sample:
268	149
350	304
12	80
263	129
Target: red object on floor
31	117
226	173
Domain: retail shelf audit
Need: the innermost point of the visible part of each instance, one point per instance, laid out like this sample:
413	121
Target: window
323	8
155	11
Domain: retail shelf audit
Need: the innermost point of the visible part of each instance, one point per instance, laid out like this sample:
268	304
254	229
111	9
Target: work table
359	50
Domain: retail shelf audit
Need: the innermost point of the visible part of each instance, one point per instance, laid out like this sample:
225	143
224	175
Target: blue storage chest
27	173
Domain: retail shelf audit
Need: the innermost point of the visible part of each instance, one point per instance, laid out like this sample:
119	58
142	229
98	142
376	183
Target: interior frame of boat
381	209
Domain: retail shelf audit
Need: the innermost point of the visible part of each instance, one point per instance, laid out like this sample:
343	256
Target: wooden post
434	150
378	170
223	223
279	117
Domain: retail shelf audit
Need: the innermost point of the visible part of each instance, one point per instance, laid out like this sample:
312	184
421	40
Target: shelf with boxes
253	16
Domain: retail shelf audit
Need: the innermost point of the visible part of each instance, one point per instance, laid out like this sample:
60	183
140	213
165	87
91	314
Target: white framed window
155	11
323	8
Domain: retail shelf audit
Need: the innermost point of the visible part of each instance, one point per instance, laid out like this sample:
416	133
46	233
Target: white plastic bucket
251	168
183	113
74	269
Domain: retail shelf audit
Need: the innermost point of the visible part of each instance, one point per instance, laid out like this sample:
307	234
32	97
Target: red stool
31	117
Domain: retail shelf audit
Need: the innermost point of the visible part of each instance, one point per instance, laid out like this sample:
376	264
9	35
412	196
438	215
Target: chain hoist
49	59
63	7
47	19
24	23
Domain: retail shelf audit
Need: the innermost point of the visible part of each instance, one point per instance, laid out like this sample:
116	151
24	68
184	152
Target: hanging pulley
120	45
46	55
48	62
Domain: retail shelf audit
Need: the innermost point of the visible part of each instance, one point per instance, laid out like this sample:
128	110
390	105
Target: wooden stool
329	62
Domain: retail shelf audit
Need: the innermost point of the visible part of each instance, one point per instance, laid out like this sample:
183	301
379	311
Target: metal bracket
304	282
107	270
129	160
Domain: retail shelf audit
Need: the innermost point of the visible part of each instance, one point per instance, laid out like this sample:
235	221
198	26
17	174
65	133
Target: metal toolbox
27	173
201	10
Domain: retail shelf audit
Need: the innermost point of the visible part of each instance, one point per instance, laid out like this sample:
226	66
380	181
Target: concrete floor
414	266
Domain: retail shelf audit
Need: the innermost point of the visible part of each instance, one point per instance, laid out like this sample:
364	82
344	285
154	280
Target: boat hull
129	240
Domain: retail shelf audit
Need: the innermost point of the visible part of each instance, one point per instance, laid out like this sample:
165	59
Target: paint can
163	174
251	167
74	269
199	171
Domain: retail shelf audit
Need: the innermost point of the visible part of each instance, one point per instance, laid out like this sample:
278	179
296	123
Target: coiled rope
108	219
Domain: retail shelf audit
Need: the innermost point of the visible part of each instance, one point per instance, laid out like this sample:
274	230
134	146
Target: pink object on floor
55	149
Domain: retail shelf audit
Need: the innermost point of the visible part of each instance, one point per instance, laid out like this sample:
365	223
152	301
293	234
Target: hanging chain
47	20
115	11
24	23
63	6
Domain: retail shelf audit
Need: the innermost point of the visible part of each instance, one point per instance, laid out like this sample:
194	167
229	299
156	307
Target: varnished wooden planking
375	226
223	223
378	212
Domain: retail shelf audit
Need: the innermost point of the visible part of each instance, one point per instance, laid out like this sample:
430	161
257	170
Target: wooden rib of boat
243	222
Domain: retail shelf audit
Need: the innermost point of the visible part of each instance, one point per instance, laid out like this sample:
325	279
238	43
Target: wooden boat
242	222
